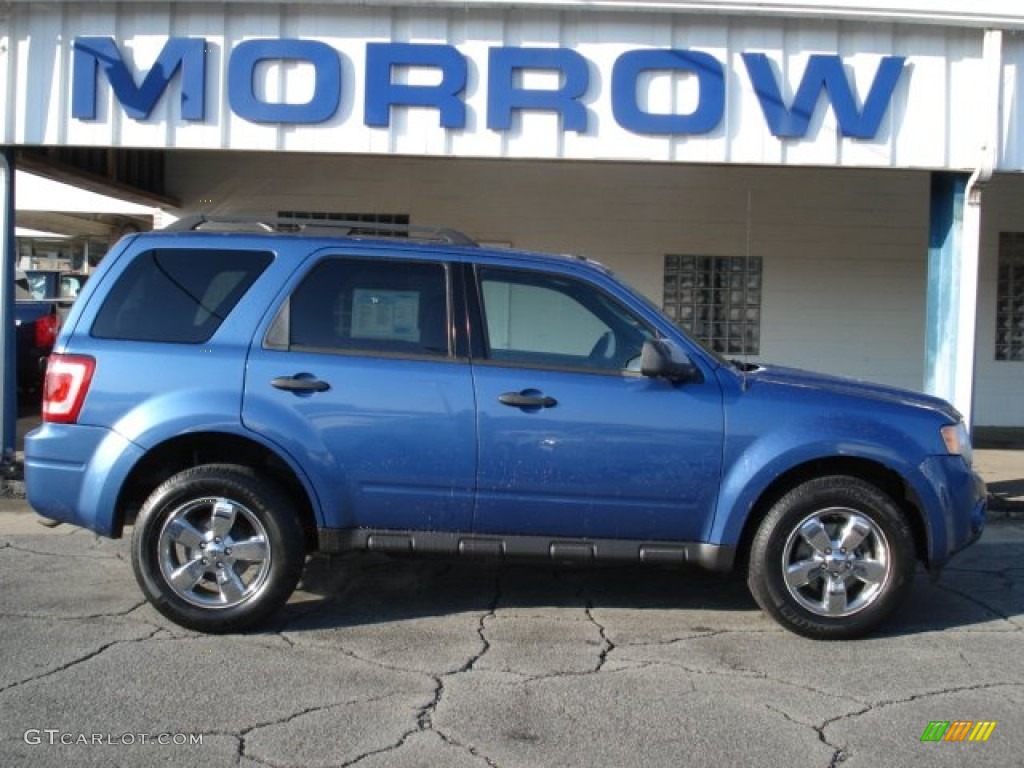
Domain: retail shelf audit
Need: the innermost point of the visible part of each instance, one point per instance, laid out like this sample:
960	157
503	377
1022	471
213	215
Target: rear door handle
528	398
300	382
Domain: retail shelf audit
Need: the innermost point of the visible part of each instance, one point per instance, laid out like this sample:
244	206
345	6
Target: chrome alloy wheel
214	553
836	562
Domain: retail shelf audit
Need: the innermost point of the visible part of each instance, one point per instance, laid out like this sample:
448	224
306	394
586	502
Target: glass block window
1010	297
368	218
717	300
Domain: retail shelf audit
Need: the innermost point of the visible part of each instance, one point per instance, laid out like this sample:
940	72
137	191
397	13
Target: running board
453	543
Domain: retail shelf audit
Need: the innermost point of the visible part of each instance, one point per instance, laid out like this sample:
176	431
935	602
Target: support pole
8	352
945	250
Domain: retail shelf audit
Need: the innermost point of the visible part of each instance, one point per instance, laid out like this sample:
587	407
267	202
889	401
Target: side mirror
661	359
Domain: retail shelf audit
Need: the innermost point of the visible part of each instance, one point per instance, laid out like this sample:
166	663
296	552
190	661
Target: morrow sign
629	78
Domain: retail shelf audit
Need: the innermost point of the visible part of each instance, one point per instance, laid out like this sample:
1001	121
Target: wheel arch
194	449
879	475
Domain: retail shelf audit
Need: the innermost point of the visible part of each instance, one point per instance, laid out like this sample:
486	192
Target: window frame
1010	321
673	305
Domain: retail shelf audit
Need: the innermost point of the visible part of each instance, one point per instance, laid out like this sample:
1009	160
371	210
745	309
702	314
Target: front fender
752	469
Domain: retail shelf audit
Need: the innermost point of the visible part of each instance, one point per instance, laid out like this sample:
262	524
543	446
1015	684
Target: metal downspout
967	321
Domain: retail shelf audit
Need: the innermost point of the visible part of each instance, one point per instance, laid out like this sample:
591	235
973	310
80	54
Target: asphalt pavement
383	662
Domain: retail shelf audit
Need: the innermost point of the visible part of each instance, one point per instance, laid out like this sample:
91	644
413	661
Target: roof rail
333	227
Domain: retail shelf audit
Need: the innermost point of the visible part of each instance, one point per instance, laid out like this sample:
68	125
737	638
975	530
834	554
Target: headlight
958	440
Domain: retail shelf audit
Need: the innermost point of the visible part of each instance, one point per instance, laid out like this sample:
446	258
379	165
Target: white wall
845	252
999	385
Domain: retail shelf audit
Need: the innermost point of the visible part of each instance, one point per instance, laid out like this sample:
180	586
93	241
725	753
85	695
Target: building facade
826	185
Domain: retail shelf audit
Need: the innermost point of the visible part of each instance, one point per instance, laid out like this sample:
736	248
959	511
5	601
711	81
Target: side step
455	543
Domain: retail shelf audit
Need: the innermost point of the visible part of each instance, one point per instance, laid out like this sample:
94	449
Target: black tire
231	541
803	577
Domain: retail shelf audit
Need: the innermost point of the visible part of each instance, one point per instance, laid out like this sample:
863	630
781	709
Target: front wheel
217	549
832	559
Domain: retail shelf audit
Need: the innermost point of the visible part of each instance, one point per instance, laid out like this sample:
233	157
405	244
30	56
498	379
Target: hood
794	377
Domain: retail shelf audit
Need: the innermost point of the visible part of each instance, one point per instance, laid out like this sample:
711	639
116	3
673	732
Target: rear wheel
217	549
832	559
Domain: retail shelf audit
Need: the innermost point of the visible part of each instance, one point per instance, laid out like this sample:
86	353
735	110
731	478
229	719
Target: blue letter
503	96
824	73
326	93
382	93
185	53
710	99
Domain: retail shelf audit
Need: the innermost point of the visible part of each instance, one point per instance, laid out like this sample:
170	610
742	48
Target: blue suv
245	397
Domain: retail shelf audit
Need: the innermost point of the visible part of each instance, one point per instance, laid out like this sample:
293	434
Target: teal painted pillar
952	307
944	248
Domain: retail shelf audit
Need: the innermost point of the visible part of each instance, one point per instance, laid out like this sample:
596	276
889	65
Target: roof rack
290	225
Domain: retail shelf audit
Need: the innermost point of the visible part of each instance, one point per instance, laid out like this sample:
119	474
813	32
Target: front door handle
302	382
528	398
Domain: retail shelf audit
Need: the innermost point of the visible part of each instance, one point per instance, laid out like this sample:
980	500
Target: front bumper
979	514
957	509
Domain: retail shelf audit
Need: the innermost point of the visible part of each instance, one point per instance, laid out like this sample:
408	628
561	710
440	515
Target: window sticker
380	314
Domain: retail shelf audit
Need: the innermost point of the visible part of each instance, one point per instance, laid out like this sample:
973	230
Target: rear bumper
74	473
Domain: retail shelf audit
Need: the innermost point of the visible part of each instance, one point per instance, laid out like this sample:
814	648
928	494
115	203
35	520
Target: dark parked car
36	323
244	399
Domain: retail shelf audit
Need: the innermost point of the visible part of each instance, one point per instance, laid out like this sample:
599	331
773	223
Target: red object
67	383
46	330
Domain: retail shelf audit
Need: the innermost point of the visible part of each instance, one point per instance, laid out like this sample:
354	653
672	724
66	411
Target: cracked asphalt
385	662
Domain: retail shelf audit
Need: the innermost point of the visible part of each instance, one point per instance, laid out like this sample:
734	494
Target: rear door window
353	305
177	295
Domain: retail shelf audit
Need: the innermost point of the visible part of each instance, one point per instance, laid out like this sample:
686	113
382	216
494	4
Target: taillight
67	382
46	330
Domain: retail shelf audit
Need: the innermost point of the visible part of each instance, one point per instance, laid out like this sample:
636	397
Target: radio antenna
746	282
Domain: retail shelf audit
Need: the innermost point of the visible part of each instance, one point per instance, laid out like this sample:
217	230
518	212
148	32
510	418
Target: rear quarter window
177	295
